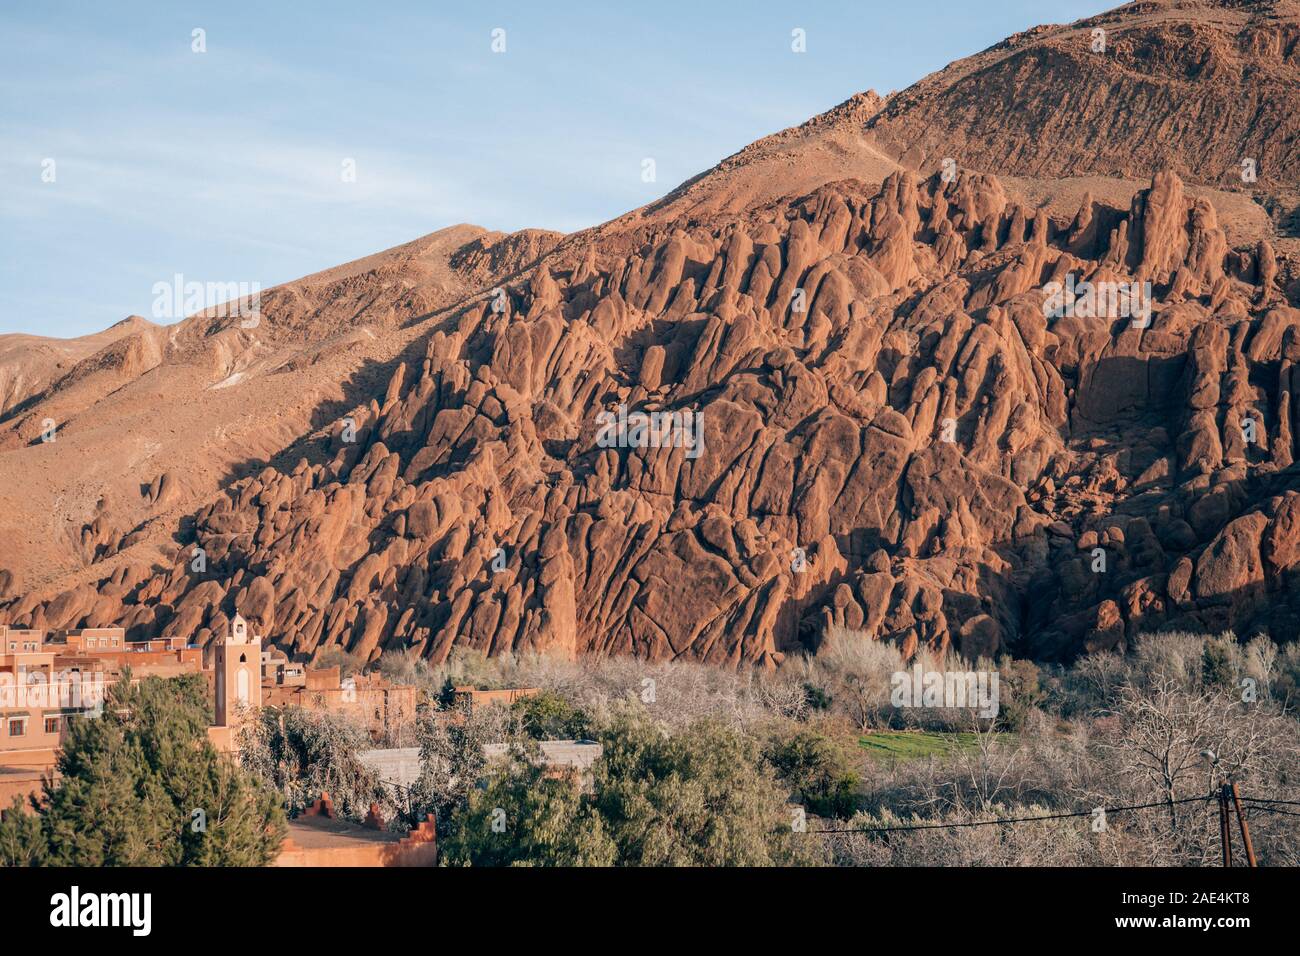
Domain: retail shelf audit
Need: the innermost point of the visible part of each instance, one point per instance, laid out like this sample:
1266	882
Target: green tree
528	816
818	769
242	821
1219	662
131	781
699	797
21	840
548	716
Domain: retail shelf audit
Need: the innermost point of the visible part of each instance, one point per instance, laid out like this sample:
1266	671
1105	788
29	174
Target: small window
52	725
17	726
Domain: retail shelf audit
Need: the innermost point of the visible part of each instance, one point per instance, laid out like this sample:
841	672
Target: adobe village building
50	678
237	683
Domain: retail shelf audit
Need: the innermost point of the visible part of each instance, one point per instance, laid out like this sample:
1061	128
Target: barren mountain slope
152	420
886	429
1191	85
30	364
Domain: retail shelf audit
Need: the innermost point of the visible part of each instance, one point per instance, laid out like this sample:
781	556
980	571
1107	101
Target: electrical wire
1016	820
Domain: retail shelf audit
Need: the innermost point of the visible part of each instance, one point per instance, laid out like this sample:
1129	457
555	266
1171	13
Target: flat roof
315	832
557	753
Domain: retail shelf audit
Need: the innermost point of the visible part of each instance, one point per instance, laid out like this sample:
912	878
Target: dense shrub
142	785
525	816
303	754
699	796
549	716
817	769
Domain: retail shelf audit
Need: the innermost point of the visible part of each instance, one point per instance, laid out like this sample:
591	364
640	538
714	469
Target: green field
912	744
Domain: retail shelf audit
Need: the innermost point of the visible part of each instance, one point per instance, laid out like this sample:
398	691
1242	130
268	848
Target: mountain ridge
425	470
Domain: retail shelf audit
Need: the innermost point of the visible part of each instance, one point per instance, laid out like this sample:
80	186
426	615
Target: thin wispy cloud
229	162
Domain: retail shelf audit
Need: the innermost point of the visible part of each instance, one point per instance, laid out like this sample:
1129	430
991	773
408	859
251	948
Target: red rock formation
878	422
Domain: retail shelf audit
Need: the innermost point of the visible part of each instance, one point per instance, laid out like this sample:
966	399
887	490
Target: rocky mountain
1191	86
832	381
31	365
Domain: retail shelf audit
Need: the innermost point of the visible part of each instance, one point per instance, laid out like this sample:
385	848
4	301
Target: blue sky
226	165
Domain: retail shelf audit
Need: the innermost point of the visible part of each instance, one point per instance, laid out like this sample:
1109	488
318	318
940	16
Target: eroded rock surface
895	437
877	420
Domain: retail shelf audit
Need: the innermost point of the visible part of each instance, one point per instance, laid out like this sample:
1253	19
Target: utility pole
1245	830
1225	834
